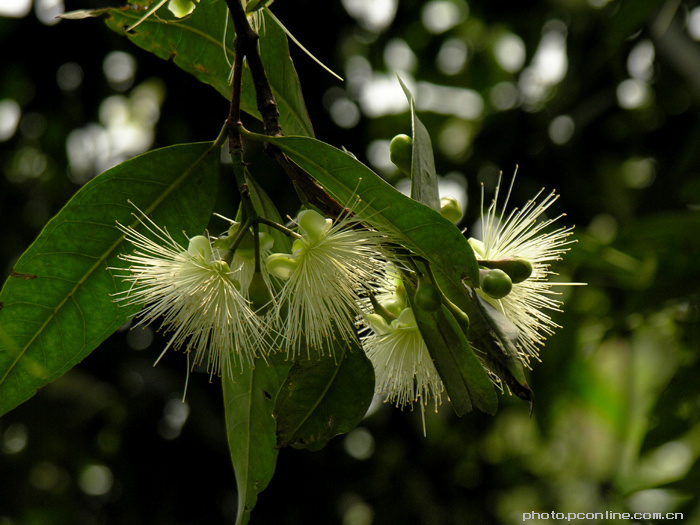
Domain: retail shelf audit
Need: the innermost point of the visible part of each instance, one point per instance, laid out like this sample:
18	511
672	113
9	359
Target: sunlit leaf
55	307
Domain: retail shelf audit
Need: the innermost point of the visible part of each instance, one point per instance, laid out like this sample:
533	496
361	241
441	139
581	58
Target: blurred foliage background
599	99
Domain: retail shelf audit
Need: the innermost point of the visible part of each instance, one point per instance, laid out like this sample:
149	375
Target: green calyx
401	152
496	283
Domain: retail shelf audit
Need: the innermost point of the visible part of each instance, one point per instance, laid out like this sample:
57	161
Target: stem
248	47
280	227
256	246
234	115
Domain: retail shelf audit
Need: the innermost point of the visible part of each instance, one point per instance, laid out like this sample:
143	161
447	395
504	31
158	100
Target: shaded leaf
465	379
322	398
196	44
56	305
249	400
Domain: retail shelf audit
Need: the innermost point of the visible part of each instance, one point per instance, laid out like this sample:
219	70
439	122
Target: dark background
616	422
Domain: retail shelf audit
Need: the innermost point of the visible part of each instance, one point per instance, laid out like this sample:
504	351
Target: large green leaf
196	44
322	398
419	228
249	400
55	307
424	183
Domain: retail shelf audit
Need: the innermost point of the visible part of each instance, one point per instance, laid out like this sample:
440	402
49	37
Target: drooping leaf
467	383
201	44
424	184
322	398
496	335
415	225
55	307
249	400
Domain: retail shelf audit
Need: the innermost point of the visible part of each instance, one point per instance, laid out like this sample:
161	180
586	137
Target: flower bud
259	294
281	265
401	152
314	225
199	246
517	268
427	296
496	283
451	209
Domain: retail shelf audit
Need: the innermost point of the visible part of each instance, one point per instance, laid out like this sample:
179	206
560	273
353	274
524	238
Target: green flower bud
427	296
401	152
314	225
517	268
281	265
200	246
451	209
496	283
259	294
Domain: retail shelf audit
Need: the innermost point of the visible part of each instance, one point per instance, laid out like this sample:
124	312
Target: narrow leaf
424	183
322	398
55	307
465	379
249	400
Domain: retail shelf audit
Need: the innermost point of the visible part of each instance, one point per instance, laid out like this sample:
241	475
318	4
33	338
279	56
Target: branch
248	47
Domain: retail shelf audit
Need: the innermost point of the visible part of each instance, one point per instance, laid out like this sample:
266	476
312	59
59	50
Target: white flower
404	371
194	292
519	235
329	265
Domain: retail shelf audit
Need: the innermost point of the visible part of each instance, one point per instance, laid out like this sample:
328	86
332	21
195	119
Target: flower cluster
230	300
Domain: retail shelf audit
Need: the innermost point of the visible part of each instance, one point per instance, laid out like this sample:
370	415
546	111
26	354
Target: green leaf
196	44
421	229
56	308
251	430
496	336
463	375
424	184
324	397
